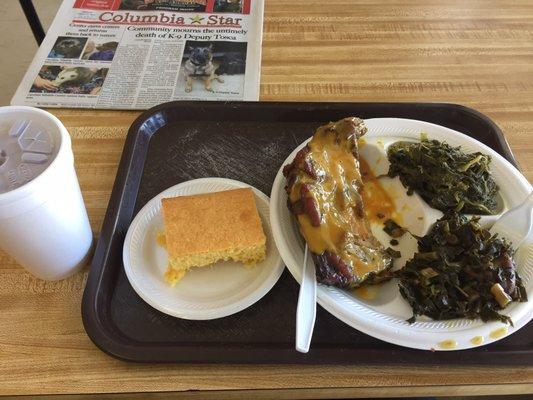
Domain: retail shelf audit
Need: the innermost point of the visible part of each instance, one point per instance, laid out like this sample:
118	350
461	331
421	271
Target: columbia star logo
196	19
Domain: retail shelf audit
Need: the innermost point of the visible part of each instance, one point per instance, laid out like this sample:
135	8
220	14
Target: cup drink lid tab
26	150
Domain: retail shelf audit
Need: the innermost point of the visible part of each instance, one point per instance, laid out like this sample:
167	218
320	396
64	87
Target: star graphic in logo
196	19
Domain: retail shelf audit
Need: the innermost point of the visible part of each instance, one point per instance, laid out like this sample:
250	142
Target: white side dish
203	293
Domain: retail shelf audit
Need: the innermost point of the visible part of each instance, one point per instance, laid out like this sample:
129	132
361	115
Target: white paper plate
203	293
384	317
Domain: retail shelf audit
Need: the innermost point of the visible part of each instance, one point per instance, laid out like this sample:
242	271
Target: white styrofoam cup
43	221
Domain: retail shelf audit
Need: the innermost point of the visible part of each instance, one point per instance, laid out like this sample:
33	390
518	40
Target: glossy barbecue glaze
379	205
324	187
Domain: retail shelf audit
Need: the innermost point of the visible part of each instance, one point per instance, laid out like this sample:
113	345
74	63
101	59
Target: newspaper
134	54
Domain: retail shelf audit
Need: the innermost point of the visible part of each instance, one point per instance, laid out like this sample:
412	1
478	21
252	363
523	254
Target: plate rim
214	313
362	324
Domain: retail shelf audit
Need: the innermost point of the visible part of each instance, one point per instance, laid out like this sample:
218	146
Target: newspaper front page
134	54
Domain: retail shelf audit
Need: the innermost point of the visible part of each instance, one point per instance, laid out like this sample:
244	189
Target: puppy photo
68	47
212	70
230	6
199	65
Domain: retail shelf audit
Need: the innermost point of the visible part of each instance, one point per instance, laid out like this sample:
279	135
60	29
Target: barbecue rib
324	193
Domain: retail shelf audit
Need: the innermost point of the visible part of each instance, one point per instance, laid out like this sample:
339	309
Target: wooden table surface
477	53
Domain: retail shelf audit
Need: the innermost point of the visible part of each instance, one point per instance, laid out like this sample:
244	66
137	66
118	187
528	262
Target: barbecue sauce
335	185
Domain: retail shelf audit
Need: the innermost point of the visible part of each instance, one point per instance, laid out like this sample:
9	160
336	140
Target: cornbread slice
203	229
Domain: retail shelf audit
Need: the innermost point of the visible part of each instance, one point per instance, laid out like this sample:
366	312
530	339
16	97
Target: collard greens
461	270
447	178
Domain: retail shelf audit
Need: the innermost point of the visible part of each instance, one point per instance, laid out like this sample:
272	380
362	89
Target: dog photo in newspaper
200	65
216	67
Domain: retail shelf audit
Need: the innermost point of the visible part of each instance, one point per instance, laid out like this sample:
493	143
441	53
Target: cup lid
27	148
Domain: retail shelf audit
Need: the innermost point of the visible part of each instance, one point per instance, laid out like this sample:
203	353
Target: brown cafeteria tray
179	141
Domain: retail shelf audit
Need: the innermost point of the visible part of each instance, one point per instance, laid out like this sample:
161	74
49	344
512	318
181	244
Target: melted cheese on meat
337	192
379	205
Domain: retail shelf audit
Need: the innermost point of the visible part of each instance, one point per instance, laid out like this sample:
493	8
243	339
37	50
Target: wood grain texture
476	53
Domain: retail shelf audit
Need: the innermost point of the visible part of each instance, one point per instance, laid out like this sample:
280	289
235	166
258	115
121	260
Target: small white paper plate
204	293
384	317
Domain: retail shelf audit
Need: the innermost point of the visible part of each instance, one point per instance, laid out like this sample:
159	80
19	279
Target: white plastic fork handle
306	310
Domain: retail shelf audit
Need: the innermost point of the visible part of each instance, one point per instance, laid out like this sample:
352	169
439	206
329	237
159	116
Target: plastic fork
516	224
306	309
